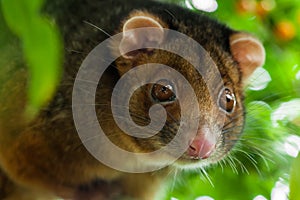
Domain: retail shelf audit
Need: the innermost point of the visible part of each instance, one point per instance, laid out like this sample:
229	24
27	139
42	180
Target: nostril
200	148
193	152
192	148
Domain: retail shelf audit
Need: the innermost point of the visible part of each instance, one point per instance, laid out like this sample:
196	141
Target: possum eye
163	91
227	100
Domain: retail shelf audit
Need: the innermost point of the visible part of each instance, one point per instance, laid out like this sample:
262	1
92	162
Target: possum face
218	113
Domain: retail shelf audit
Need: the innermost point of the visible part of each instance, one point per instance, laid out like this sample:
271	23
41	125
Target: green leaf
295	179
41	45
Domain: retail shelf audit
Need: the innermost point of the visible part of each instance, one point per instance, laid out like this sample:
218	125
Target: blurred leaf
295	179
41	45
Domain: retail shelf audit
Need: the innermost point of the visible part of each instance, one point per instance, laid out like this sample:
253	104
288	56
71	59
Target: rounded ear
248	51
136	39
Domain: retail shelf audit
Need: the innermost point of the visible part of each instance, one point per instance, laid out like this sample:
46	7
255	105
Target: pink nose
200	147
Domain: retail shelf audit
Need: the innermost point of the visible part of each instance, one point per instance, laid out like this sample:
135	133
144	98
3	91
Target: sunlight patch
204	5
259	80
292	145
260	197
204	198
287	111
280	191
298	75
188	4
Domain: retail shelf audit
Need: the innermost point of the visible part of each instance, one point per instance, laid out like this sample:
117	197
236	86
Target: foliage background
263	165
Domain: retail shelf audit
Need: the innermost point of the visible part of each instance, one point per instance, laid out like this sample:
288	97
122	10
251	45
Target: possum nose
200	147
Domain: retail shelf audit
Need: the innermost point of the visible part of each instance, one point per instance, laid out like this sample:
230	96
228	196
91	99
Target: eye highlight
163	91
227	100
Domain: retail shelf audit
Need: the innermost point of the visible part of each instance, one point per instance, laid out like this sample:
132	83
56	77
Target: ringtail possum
44	158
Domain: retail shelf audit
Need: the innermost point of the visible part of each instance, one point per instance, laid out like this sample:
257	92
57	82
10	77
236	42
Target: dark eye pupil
162	91
227	100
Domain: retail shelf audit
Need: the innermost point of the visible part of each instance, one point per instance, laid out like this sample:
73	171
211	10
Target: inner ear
248	51
136	38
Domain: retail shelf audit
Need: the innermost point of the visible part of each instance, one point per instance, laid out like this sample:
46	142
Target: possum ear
136	38
248	51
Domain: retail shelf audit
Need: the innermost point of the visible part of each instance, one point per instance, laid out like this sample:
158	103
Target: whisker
232	164
243	167
206	176
171	14
100	29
